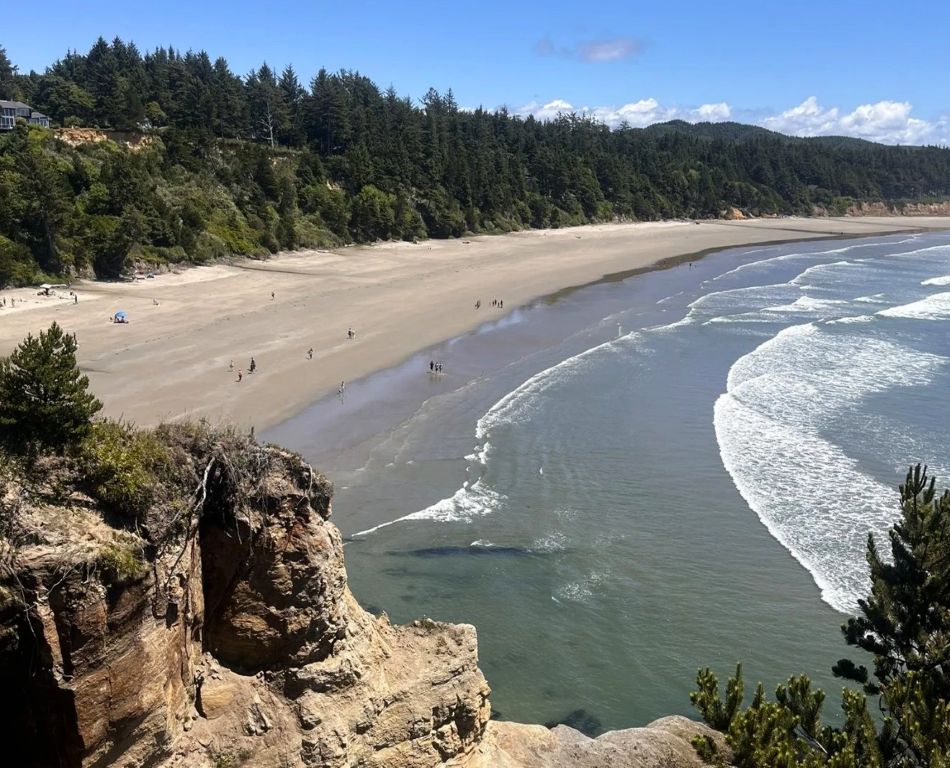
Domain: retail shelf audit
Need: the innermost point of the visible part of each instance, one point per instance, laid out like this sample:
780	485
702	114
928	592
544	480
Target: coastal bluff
213	626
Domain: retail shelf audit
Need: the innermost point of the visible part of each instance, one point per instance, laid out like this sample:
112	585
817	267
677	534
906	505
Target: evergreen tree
905	624
44	402
7	76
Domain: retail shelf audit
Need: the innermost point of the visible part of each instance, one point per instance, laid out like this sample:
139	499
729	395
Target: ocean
626	481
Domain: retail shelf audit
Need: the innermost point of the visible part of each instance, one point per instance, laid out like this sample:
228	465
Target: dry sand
171	360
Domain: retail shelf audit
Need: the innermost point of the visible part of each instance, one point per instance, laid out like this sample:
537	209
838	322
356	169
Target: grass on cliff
122	560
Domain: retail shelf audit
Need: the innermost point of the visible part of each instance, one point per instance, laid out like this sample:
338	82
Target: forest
198	163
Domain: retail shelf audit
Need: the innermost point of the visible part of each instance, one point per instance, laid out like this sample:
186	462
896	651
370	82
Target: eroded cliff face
906	209
217	629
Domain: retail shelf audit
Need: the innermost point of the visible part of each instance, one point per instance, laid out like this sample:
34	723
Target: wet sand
171	360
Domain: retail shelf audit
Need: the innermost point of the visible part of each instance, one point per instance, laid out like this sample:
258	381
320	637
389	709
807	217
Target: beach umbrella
121	314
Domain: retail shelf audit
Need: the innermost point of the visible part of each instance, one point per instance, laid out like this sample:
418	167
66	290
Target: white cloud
714	113
888	122
636	114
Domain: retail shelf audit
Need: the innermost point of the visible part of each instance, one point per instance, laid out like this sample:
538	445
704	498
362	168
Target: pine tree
7	76
44	402
905	624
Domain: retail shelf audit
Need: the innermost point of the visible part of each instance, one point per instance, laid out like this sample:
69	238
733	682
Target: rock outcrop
664	743
216	629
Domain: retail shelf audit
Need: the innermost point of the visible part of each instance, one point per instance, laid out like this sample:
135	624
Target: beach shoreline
172	360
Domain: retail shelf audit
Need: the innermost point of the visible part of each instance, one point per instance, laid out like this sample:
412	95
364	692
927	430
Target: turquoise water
630	480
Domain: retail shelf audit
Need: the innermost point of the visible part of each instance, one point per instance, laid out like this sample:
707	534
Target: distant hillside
727	131
730	131
181	160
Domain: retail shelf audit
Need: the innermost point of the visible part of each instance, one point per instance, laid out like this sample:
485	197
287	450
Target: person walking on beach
75	298
342	387
432	365
272	295
231	366
310	353
350	333
252	367
240	374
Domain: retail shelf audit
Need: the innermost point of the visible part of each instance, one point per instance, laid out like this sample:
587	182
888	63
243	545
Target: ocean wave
813	498
934	307
806	255
467	503
808	304
480	453
820	309
942	280
518	405
877	298
821	272
669	298
738	301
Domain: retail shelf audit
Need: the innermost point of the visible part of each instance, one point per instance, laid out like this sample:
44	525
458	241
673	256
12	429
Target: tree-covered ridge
266	161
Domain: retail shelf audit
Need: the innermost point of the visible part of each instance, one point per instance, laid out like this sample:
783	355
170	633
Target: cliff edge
201	617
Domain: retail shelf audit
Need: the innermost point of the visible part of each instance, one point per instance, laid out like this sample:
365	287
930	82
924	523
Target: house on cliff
10	111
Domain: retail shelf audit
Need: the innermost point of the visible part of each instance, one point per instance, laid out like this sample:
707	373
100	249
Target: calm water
633	479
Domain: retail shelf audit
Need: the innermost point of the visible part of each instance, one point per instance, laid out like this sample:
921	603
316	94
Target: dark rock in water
581	720
496	714
448	550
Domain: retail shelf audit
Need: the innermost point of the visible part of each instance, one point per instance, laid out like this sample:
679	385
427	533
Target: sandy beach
172	359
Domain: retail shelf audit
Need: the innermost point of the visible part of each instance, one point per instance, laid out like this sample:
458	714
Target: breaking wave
770	425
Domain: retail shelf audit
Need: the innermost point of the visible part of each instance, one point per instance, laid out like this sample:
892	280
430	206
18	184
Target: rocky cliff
213	626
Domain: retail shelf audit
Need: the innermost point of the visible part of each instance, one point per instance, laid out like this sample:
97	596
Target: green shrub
123	466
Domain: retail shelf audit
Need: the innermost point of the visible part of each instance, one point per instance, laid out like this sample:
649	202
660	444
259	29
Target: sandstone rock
664	743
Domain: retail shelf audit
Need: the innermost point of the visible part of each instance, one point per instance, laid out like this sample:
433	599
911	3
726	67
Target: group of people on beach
45	292
252	366
494	302
435	367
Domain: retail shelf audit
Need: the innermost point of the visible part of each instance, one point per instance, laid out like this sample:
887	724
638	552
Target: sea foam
467	503
770	424
935	307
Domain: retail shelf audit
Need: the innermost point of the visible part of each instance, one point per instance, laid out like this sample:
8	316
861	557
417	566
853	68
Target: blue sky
873	69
